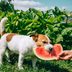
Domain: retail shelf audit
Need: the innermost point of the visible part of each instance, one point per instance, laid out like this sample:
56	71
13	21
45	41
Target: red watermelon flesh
43	54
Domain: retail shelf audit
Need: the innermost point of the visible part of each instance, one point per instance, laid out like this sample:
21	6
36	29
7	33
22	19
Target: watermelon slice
43	54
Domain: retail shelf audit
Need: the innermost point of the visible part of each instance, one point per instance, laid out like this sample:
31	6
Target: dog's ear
35	37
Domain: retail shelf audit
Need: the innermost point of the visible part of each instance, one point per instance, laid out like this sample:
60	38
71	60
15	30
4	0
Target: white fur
19	44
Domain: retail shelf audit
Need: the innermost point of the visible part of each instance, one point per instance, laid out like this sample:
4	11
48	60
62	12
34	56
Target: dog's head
42	41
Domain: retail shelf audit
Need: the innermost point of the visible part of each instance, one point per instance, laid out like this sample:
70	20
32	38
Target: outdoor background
50	17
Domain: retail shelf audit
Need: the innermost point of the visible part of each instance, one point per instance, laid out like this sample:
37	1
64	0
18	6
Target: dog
20	44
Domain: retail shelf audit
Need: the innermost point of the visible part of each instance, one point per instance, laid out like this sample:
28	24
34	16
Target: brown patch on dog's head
10	36
41	39
35	37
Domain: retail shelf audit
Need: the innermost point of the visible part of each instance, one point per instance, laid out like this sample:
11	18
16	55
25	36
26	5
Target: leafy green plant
53	23
6	6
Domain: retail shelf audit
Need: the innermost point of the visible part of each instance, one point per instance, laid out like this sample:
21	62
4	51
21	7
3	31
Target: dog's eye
45	42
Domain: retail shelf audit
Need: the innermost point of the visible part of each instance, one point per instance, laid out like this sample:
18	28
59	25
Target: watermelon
43	54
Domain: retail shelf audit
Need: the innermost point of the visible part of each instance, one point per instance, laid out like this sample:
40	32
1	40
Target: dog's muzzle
49	47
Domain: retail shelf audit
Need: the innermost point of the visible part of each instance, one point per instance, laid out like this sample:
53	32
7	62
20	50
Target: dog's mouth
48	47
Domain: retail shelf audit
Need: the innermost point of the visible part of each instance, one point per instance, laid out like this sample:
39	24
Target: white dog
20	44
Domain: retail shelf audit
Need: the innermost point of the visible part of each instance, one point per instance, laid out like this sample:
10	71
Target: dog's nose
49	47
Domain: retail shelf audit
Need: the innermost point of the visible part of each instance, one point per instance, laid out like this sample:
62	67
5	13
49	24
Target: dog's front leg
20	61
1	59
2	51
7	55
34	60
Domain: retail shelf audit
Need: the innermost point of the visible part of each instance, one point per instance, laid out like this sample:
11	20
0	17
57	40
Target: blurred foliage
6	6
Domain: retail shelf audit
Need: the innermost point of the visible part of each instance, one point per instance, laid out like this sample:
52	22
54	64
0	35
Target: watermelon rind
44	58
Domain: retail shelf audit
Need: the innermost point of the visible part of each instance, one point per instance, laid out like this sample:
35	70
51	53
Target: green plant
54	23
6	6
32	20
